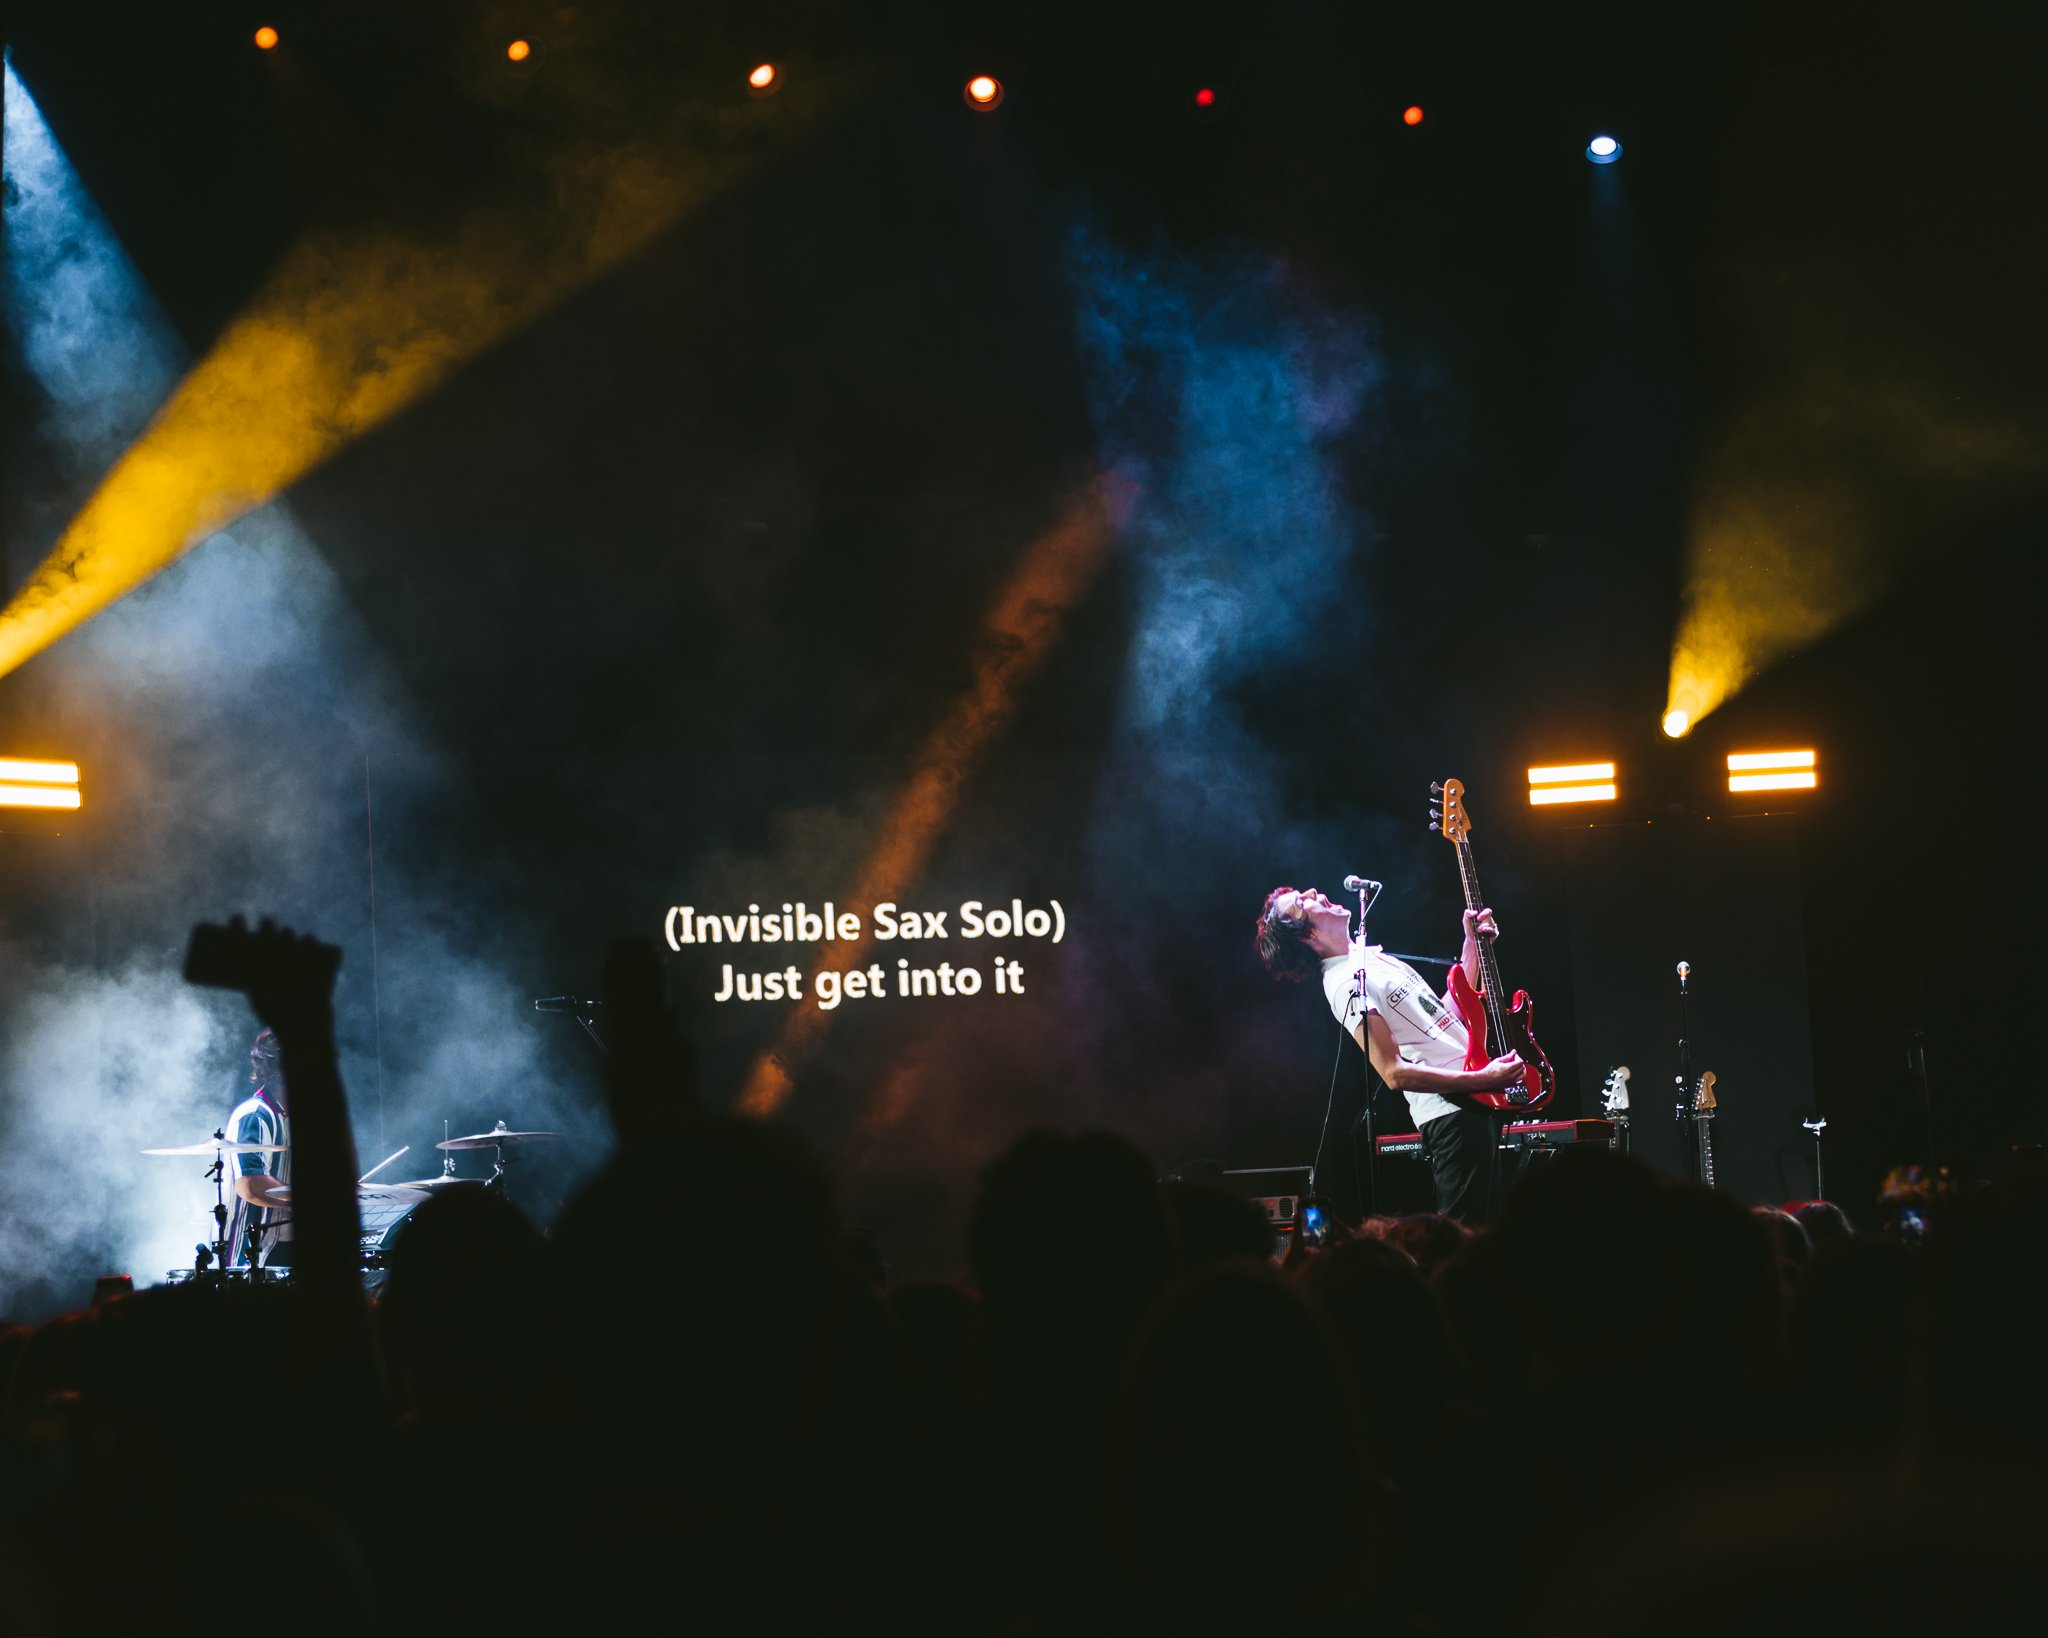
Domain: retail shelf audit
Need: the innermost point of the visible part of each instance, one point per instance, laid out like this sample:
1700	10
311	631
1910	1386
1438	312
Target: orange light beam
1051	575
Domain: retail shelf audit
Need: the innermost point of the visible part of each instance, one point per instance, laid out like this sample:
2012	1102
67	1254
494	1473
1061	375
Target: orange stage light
27	783
984	91
1412	114
765	77
266	38
519	50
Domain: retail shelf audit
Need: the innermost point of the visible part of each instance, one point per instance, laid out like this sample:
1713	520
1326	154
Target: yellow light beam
1798	519
1739	761
1576	774
38	773
1051	575
349	332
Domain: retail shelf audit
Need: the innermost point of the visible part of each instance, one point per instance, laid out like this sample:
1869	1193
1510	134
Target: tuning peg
1436	787
1433	825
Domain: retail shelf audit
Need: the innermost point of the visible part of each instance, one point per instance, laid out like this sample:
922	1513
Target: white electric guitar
1614	1105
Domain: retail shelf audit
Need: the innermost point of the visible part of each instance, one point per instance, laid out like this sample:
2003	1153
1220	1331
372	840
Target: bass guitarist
1416	1041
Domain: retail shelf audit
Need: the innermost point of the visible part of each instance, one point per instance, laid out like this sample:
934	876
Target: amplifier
1278	1192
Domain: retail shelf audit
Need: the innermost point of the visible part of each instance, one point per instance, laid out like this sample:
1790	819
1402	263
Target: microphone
1684	972
1361	884
563	1003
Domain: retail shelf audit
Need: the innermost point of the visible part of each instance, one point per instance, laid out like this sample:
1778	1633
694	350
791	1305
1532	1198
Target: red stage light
1412	114
1205	98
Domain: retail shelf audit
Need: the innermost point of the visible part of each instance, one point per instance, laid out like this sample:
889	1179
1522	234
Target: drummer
262	1216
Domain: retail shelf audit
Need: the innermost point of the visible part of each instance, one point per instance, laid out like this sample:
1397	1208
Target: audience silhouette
697	1399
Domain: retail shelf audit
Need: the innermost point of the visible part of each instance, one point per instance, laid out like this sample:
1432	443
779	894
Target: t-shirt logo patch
1426	1002
1396	997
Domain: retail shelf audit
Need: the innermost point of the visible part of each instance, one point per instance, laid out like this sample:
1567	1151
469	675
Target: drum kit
381	1207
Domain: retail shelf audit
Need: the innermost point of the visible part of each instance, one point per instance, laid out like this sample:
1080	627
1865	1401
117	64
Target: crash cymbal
492	1138
423	1187
211	1145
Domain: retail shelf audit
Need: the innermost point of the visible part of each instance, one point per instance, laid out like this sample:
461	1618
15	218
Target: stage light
31	784
1773	771
1603	150
1575	782
1676	722
764	78
1206	97
519	50
1412	114
984	91
266	38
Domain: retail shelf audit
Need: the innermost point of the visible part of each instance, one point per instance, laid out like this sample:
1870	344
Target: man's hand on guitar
1480	924
1505	1071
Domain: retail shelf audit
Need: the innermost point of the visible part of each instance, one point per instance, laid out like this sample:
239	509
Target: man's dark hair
1282	946
264	1058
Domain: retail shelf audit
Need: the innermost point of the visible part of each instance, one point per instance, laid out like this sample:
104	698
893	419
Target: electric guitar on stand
1614	1104
1490	1030
1703	1106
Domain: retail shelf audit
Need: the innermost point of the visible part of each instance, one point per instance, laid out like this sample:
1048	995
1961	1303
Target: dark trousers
1464	1156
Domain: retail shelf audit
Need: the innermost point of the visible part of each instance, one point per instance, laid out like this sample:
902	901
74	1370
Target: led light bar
1578	782
1773	771
30	784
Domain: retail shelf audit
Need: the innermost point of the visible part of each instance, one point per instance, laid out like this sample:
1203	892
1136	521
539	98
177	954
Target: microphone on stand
1361	884
563	1003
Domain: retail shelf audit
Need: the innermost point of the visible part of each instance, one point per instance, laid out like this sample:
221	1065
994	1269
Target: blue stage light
1603	150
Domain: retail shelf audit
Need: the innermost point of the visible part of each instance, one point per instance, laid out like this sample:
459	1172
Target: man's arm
261	1189
1402	1076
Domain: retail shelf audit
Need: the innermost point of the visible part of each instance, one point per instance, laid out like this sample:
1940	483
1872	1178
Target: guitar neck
1704	1125
1489	968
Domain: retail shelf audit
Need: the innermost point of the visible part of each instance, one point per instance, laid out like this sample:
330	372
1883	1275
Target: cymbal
212	1145
492	1138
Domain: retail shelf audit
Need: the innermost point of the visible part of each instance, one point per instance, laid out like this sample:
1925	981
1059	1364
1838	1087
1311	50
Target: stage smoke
234	719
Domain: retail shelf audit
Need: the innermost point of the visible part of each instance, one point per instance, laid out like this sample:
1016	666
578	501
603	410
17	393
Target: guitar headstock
1447	810
1614	1091
1703	1095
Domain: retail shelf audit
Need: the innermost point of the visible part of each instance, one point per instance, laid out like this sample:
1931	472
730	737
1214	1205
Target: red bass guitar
1490	1031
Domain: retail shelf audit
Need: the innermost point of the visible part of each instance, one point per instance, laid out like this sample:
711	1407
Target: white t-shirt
1426	1030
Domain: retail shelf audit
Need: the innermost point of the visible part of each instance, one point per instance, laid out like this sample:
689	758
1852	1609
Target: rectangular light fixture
30	784
1578	782
1773	771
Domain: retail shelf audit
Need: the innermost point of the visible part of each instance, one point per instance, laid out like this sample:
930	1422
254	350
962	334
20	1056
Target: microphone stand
1372	1146
1686	1139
